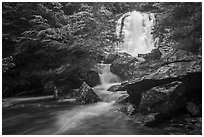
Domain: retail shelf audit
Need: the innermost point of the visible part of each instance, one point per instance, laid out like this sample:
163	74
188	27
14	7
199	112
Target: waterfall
135	29
108	79
69	120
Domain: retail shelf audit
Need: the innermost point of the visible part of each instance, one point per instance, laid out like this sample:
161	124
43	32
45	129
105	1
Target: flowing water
66	118
135	29
61	118
102	118
108	79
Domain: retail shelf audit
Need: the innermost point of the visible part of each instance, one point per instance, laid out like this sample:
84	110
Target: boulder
193	109
149	120
153	119
79	74
163	99
123	65
128	109
89	76
175	66
115	56
71	77
113	88
129	67
155	54
110	58
86	95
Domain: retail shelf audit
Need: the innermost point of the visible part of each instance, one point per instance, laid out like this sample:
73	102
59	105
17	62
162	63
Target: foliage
39	38
7	63
43	37
179	24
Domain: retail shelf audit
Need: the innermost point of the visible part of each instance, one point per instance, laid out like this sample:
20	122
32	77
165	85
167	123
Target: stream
45	116
64	118
51	117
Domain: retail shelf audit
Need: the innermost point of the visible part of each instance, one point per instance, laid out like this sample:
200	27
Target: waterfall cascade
108	79
135	30
68	120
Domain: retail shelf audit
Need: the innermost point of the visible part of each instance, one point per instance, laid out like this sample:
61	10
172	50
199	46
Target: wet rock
192	109
137	118
180	55
78	74
86	94
130	67
113	88
155	54
128	109
163	99
123	65
111	57
192	126
90	77
177	61
153	119
116	57
71	77
177	65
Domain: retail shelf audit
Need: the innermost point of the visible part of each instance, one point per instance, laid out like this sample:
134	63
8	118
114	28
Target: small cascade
108	79
135	30
69	120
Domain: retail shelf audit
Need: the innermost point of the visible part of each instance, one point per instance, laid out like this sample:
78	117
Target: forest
56	49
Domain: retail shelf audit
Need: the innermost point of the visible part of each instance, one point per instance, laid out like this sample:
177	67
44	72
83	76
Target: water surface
63	118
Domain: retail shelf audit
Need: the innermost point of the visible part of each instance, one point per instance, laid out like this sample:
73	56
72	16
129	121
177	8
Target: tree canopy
38	38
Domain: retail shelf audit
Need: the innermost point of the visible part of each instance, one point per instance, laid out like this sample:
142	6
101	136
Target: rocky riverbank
161	88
